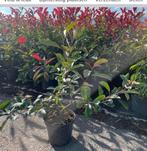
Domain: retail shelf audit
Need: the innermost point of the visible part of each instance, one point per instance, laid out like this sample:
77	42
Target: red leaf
37	57
22	40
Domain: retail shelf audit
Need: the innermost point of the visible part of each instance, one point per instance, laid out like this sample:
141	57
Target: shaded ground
106	132
88	135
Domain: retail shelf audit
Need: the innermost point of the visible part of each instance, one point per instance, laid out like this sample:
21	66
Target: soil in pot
59	126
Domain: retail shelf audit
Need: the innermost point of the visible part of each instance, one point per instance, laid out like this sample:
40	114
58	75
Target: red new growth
37	57
22	40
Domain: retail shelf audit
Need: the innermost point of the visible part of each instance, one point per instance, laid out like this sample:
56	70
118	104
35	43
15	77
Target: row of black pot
8	75
136	105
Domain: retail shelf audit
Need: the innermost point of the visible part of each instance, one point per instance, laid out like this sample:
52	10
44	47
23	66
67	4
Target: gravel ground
88	135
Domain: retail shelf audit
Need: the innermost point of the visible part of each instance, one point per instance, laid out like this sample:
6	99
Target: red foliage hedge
92	18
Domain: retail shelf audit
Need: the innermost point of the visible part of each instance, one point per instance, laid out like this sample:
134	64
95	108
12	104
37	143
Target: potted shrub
58	120
72	75
78	63
57	116
56	113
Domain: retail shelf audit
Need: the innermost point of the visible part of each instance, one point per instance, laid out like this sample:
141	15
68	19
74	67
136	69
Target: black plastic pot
138	106
44	85
11	75
59	133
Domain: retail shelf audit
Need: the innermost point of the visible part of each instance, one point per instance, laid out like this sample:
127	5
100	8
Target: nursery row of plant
89	55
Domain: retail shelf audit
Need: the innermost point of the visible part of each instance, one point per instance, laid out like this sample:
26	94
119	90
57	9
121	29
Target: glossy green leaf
70	27
136	66
100	90
102	75
85	91
125	79
99	98
134	77
48	42
88	110
96	107
105	85
100	62
60	57
67	48
4	104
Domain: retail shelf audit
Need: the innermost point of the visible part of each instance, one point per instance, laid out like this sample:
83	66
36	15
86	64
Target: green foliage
79	55
139	77
4	104
85	92
48	43
100	62
88	110
70	27
105	85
